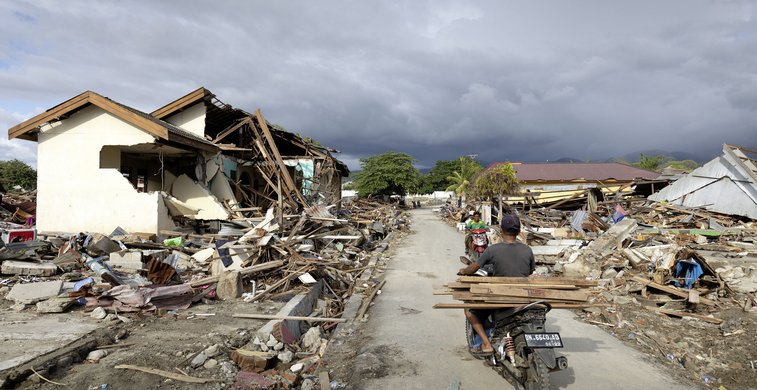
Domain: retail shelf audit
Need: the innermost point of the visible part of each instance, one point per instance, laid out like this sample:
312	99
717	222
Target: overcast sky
518	81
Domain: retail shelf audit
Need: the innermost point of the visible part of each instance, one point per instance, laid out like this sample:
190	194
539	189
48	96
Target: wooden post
281	205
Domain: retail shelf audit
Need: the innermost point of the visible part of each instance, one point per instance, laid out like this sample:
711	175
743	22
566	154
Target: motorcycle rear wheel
537	375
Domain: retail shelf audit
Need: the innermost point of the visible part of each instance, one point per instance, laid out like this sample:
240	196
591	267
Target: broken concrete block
251	360
609	273
311	340
98	314
126	259
212	351
56	305
101	245
613	237
29	293
285	356
230	285
194	195
96	355
16	267
210	364
203	255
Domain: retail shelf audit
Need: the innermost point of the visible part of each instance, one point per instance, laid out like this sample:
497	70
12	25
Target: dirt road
423	348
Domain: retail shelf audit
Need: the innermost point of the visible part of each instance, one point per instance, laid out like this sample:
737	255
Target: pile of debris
693	270
312	259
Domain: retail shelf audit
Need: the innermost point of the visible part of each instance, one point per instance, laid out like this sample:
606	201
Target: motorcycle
479	243
523	348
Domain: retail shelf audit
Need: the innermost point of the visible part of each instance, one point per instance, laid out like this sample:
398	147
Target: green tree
460	180
496	182
686	165
17	173
387	174
437	177
652	163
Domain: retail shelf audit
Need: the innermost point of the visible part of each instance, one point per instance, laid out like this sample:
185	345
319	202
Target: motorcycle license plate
543	340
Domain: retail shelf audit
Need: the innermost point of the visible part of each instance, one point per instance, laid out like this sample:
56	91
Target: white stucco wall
192	119
74	194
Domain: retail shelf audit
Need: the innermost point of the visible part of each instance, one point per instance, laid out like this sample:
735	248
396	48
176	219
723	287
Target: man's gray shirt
516	259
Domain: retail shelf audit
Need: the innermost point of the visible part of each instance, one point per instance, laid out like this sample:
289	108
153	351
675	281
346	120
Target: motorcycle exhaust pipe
562	362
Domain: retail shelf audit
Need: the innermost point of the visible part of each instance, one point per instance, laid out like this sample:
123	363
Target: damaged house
103	165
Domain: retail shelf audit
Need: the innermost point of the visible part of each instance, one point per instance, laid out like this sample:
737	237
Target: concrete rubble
676	282
313	258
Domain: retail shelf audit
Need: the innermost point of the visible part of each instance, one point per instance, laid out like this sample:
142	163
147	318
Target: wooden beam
534	280
272	144
676	313
672	290
508	305
180	103
535	293
49	115
231	129
278	317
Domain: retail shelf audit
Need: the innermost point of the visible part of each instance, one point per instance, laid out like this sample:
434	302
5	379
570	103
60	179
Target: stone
229	285
213	350
228	369
285	356
96	355
609	273
271	341
56	305
279	346
311	340
308	384
15	267
29	293
541	270
210	364
198	360
98	314
296	367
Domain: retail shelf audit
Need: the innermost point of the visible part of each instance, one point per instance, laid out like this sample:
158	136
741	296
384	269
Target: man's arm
473	267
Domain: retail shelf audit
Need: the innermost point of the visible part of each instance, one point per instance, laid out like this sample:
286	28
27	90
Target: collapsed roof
727	184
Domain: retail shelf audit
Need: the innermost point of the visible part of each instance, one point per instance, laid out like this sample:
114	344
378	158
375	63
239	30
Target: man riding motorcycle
509	258
474	223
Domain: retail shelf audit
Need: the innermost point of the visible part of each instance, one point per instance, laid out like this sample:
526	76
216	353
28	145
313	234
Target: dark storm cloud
504	80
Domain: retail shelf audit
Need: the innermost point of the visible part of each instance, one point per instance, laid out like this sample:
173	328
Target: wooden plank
501	299
671	290
244	271
467	286
180	103
51	114
367	301
507	305
168	374
284	173
541	293
676	313
324	380
534	280
278	317
246	121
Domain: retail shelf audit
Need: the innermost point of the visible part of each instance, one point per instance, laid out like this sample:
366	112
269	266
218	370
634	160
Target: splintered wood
478	292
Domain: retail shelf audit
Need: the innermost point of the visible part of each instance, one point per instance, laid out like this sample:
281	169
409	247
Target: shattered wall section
198	197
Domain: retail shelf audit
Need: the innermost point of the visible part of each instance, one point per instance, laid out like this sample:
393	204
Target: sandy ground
406	344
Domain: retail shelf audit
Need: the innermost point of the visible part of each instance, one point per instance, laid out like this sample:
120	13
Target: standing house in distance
103	165
570	185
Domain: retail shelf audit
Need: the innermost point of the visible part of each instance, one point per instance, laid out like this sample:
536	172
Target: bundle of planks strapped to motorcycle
517	328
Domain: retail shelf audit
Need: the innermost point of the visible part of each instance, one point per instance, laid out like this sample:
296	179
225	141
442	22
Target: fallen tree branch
168	374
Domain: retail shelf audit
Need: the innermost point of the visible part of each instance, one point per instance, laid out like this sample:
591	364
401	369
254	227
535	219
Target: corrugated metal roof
580	171
721	185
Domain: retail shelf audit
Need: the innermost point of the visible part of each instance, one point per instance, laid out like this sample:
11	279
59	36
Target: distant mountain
568	160
634	157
